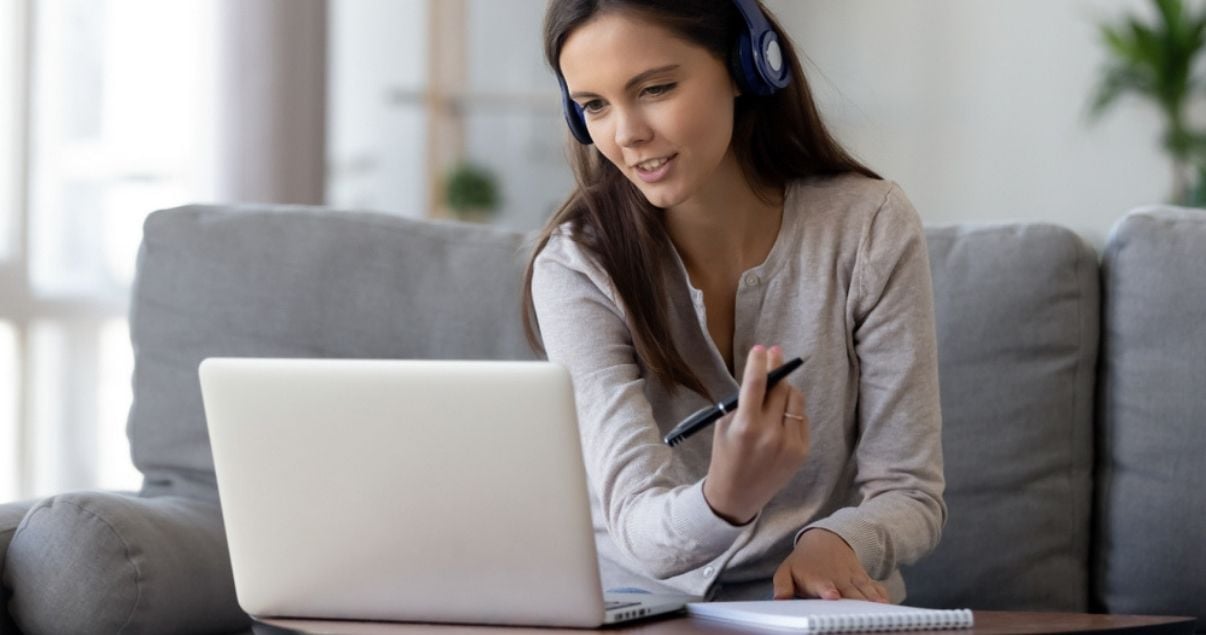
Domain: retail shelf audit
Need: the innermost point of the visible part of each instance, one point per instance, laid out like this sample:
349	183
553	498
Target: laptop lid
441	491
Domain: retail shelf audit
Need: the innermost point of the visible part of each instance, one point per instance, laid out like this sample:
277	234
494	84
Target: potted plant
471	193
1155	62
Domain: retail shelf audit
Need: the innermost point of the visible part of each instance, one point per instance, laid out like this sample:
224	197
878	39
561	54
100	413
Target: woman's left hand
823	566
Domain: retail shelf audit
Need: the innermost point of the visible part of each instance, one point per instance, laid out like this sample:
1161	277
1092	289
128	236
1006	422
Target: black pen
703	418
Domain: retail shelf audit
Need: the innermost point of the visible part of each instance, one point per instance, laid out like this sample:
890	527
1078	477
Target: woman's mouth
654	170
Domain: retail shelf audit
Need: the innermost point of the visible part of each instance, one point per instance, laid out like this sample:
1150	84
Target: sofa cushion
291	281
1017	320
1150	549
95	562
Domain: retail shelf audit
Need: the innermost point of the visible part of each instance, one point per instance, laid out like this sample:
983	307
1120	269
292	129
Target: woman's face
658	107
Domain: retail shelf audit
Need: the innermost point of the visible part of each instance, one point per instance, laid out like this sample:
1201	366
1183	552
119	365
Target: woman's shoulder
565	246
565	256
850	192
848	217
850	202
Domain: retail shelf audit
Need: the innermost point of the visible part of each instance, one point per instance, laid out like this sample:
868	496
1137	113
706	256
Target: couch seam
125	545
1103	461
1076	408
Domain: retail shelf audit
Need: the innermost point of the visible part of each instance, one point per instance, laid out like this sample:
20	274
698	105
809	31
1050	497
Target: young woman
716	229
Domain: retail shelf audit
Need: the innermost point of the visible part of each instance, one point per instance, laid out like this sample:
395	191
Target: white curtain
272	89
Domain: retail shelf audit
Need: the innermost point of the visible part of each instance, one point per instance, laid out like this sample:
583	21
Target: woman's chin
661	196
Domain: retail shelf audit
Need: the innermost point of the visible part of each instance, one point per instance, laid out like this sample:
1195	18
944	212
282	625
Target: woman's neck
726	228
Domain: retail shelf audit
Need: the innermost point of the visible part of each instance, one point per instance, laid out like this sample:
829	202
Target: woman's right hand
756	450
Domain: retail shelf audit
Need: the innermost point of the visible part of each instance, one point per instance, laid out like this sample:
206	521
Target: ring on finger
788	415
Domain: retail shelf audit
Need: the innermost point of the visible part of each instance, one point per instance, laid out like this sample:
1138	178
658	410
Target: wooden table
987	623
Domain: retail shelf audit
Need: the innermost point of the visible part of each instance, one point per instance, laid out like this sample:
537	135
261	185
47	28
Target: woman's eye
593	105
660	89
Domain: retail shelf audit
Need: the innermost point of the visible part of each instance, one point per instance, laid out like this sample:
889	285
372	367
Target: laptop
408	490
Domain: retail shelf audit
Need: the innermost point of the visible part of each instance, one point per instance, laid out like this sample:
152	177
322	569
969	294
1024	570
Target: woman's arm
654	513
899	452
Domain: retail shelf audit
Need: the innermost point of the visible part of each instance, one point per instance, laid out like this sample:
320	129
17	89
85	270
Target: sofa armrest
104	562
11	515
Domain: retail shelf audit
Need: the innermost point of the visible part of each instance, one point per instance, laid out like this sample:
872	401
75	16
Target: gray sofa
1073	393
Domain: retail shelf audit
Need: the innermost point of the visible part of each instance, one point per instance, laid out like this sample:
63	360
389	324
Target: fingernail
759	348
776	349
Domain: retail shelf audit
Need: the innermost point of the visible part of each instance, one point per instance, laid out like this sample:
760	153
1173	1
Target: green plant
1156	62
471	191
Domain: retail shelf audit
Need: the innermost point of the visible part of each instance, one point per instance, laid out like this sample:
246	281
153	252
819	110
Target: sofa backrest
1017	319
290	281
1150	542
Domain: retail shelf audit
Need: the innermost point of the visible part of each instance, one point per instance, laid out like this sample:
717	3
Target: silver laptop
400	490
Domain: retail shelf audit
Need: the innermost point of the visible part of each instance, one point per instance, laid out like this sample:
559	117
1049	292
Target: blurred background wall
110	109
977	107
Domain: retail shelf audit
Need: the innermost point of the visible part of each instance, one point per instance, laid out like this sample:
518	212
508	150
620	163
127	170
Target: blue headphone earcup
745	68
754	74
775	73
573	115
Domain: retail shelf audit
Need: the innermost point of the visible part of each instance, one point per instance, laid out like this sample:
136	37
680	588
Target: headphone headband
757	64
755	21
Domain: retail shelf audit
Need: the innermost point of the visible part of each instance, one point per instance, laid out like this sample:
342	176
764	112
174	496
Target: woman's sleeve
899	452
658	520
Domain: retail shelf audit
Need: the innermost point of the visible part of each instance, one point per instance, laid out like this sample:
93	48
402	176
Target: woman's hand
823	566
756	450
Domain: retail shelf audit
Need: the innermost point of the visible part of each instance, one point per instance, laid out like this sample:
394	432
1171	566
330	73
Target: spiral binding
929	620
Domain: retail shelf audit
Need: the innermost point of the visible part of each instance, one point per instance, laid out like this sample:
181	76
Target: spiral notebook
831	616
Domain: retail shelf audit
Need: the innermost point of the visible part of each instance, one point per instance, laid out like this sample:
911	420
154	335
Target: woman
717	228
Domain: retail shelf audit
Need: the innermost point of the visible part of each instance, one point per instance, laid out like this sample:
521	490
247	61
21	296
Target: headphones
757	64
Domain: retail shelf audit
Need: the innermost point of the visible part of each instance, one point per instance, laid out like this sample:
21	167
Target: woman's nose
632	129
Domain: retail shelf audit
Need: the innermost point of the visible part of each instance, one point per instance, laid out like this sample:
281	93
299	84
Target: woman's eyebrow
638	78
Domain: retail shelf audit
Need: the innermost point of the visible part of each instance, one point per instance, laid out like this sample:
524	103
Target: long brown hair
775	139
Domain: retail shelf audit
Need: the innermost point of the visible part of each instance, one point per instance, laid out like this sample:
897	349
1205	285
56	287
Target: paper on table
831	616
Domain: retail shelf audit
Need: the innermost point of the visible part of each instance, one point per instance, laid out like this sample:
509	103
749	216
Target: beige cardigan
846	284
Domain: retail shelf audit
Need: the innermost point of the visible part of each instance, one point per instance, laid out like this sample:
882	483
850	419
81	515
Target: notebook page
820	616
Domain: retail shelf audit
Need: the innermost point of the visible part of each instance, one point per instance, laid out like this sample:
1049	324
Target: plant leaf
1117	81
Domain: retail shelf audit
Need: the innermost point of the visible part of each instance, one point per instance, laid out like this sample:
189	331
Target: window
113	396
375	138
10	385
453	86
118	126
12	56
12	49
119	108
